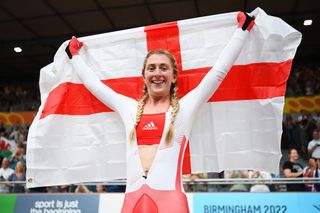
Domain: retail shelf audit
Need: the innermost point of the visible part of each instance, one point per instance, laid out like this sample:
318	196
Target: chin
159	93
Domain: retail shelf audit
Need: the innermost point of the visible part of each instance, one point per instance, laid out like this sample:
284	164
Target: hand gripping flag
75	138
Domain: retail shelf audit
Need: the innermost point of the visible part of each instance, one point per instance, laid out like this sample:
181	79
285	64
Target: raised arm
209	84
104	93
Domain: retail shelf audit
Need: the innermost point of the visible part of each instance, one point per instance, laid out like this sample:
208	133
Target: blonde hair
174	100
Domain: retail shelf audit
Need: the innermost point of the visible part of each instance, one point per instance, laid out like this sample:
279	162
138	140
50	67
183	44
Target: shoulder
9	170
128	108
11	177
287	165
311	143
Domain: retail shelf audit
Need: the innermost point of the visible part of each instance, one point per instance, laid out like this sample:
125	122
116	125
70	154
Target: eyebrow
153	64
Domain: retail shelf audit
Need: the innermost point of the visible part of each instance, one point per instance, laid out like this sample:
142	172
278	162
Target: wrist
245	22
73	47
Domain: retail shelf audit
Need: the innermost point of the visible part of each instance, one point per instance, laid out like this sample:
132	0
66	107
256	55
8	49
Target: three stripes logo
150	126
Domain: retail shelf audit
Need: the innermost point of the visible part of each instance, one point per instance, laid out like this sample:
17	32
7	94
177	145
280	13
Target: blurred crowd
304	80
22	97
299	129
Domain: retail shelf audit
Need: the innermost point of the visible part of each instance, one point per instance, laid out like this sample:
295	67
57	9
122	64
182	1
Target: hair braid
140	107
175	108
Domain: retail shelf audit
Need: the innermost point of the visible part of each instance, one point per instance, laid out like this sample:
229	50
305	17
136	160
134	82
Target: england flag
75	138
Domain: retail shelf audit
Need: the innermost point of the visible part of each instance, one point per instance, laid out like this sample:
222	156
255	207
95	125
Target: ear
175	76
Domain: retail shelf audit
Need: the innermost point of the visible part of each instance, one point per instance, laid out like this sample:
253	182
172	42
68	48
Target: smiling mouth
157	81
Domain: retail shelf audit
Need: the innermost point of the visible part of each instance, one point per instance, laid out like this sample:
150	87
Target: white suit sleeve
102	92
209	84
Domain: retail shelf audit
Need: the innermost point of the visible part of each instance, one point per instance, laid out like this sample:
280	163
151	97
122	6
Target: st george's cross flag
75	138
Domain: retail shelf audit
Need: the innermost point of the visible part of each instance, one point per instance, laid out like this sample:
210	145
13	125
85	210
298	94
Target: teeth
157	82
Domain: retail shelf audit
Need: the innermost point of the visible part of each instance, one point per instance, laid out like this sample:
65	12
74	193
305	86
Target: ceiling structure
40	26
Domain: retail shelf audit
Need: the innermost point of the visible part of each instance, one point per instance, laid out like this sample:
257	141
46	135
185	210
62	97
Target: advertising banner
256	202
55	203
7	203
198	203
12	118
307	103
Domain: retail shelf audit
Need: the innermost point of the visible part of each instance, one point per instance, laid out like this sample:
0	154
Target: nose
157	71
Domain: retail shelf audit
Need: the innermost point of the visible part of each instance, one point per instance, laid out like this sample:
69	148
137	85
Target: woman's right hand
245	21
73	47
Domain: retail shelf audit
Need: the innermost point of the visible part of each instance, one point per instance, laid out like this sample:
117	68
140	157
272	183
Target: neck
156	104
155	100
293	161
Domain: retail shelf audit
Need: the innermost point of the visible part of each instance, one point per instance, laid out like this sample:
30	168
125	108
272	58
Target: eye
151	68
164	67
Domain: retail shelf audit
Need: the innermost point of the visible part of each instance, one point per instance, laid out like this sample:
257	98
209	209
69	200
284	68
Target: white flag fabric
75	138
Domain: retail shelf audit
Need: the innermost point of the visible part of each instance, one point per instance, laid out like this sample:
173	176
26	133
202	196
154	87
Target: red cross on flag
75	138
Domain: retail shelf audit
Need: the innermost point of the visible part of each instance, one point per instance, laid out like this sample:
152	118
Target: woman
312	171
159	124
19	175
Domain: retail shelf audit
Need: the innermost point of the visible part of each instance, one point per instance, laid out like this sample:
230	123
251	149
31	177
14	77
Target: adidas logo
150	126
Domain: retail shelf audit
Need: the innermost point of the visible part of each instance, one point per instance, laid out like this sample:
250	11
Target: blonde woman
159	124
18	175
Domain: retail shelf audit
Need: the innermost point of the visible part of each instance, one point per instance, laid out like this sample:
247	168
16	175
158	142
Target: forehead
158	59
293	151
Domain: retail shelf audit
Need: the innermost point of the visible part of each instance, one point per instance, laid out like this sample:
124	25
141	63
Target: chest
296	167
150	128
